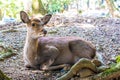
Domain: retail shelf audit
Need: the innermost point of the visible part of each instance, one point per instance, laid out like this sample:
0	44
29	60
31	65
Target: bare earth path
103	32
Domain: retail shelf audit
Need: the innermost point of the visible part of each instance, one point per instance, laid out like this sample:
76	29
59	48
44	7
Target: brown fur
49	53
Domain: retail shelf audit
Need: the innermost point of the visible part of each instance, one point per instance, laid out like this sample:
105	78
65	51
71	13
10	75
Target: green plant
118	59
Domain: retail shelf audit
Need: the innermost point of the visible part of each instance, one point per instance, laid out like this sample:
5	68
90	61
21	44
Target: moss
118	58
113	68
3	76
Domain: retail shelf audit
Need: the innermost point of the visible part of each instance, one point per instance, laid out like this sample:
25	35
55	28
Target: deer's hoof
28	66
67	67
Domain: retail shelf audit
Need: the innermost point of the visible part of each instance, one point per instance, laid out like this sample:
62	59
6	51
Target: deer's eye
33	24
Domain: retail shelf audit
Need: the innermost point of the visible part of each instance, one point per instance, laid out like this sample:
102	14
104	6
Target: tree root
82	63
6	55
91	71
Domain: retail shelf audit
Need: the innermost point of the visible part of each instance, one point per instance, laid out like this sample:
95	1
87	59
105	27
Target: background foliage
10	8
53	6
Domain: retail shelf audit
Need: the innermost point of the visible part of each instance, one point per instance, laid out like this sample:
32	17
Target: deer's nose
44	32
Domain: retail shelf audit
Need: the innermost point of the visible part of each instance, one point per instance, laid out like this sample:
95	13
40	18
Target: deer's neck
31	45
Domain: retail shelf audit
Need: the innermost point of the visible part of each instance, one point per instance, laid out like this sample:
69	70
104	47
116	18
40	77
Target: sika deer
49	53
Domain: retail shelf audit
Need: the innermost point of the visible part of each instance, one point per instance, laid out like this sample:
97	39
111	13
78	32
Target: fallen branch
6	55
6	52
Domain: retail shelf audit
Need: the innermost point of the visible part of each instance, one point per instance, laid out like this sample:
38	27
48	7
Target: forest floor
104	33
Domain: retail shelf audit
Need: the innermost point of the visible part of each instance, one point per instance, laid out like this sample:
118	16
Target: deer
51	53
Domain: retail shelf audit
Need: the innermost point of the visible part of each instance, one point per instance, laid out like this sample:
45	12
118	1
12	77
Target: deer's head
35	25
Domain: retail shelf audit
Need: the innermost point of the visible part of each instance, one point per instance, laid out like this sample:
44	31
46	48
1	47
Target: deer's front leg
26	61
47	66
29	66
51	52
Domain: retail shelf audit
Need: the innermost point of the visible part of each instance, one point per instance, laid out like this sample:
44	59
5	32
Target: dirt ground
104	33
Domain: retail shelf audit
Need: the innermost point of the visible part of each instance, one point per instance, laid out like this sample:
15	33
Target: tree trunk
111	7
27	6
37	7
3	76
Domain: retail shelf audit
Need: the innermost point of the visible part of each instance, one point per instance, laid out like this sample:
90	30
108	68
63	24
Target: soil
104	33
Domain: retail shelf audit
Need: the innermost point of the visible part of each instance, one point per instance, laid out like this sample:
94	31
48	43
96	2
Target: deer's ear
46	19
24	17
